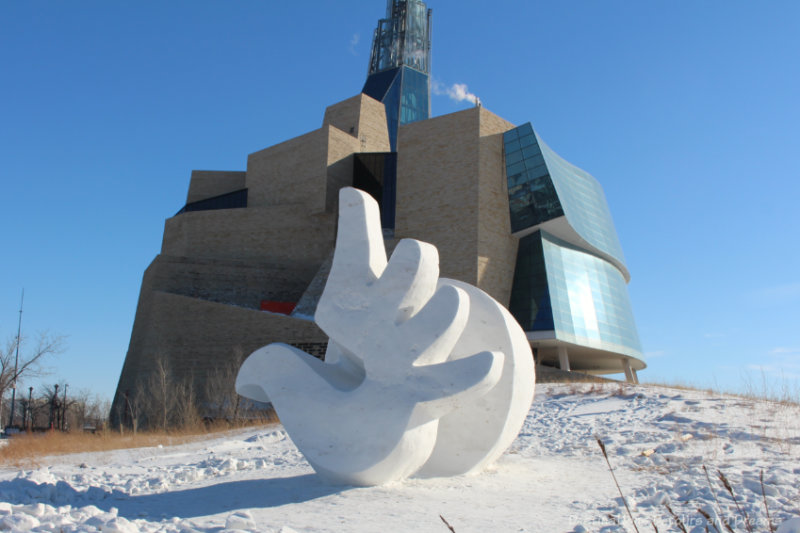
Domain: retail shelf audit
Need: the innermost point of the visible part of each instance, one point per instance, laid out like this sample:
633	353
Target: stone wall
452	192
239	283
292	172
209	183
362	117
197	338
199	300
278	234
497	248
437	189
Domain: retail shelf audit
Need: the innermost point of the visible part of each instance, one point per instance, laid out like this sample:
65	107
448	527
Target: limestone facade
200	300
206	184
452	192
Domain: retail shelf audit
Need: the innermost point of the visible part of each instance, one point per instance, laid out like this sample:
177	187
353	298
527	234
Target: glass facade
403	37
404	93
414	98
386	87
577	296
530	296
400	64
532	197
589	299
543	186
580	297
584	203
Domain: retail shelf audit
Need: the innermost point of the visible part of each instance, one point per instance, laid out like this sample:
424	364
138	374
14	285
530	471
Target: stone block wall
452	192
362	117
234	282
279	234
292	172
437	189
197	338
497	248
209	183
199	299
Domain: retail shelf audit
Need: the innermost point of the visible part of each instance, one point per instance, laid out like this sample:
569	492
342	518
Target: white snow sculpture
420	375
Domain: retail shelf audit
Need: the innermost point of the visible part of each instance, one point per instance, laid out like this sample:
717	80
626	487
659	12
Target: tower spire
403	37
399	66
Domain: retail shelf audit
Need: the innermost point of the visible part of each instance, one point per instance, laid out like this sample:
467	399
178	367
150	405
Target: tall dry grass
781	391
28	449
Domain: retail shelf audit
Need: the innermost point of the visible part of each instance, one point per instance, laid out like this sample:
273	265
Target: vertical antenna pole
16	362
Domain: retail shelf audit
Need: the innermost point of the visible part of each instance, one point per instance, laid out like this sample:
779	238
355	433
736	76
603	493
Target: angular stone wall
206	184
451	192
199	304
200	298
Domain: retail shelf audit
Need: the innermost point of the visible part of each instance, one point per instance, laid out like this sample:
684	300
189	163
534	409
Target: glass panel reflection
555	188
530	298
589	299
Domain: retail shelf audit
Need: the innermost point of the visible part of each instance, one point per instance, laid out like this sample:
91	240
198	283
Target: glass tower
570	277
399	66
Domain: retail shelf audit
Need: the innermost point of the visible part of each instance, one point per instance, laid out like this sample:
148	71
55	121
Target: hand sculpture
411	373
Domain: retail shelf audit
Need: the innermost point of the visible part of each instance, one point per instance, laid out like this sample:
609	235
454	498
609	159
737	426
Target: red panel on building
284	308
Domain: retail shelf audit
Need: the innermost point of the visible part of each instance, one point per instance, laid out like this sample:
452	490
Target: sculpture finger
409	279
359	258
359	240
435	330
248	380
446	386
280	372
350	368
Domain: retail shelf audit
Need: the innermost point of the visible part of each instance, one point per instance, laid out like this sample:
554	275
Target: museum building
244	262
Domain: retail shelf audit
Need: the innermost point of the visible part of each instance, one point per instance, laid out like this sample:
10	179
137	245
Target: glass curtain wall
532	197
402	38
543	186
580	295
589	299
399	66
581	298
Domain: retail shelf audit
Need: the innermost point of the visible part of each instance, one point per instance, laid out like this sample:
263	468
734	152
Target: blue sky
686	112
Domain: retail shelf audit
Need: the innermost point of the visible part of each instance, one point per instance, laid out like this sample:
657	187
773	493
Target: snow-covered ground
554	478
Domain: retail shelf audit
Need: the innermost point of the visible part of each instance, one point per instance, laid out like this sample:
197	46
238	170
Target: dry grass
25	450
680	385
782	391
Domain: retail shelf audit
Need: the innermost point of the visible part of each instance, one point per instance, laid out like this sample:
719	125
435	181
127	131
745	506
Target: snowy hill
554	478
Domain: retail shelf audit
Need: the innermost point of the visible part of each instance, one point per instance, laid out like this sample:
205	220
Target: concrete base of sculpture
422	375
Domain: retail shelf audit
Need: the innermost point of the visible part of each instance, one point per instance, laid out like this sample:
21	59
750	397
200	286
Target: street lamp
29	425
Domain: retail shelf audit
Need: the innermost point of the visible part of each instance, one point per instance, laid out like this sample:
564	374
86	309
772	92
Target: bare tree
185	413
223	403
159	394
134	406
77	408
165	400
22	360
98	411
85	412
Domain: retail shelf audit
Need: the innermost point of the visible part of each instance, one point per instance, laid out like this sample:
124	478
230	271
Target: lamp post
64	410
30	409
16	363
54	408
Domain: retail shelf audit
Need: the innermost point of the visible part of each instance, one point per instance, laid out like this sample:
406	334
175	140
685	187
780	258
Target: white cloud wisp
354	40
458	92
